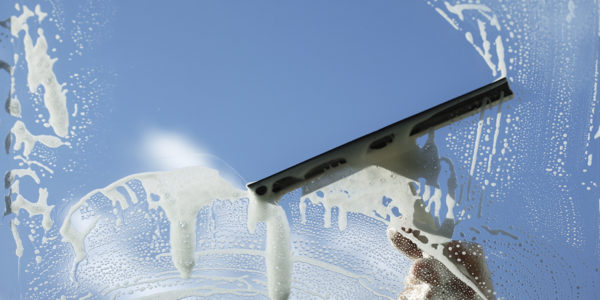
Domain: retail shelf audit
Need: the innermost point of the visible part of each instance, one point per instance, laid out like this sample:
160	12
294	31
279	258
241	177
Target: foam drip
278	248
181	194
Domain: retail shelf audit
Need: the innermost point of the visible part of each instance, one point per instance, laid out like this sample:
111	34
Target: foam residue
500	54
385	195
484	10
13	105
20	173
40	207
278	248
485	16
26	140
15	233
495	139
476	145
40	72
362	193
182	193
40	14
446	17
33	162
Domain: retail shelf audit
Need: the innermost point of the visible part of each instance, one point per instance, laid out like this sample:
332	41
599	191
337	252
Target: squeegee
382	147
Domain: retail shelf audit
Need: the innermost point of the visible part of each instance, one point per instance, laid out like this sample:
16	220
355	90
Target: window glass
132	128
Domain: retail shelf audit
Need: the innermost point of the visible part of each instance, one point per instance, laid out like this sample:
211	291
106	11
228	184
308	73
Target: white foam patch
458	9
33	162
182	194
362	193
446	17
476	145
278	248
40	71
15	233
482	9
484	49
27	141
14	105
20	173
496	134
40	207
40	14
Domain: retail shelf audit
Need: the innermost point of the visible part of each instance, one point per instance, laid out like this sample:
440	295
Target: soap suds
362	192
182	193
445	16
40	73
278	248
24	138
15	233
33	162
40	207
41	15
458	9
484	49
500	55
475	150
13	105
20	173
495	139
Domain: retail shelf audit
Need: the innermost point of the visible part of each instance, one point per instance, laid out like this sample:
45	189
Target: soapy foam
40	207
33	162
556	115
496	134
17	238
278	248
489	18
23	138
446	17
20	173
13	105
362	193
182	194
40	72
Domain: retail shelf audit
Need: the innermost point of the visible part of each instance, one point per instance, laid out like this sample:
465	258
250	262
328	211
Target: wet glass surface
132	129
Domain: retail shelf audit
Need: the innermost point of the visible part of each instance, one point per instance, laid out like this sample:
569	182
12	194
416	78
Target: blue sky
266	85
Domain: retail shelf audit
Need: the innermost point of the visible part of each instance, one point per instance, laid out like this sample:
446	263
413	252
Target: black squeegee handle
412	126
